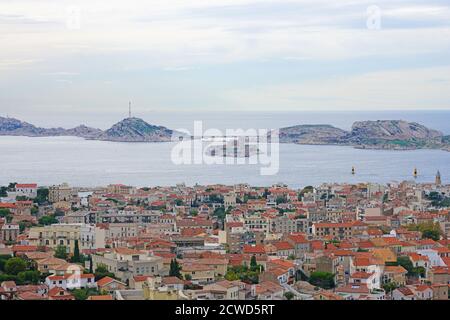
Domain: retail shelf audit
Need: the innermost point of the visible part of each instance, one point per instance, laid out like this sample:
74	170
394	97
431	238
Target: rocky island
380	134
128	130
136	130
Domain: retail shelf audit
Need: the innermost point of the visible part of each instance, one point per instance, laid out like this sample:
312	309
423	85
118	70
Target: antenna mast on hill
129	109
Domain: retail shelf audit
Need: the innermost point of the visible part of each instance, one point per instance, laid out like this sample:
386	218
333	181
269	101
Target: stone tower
438	181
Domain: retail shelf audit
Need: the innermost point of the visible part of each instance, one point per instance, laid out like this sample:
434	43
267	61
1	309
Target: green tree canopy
83	294
61	252
29	277
324	280
47	220
253	263
175	269
428	230
102	271
15	265
42	196
76	253
289	295
4	212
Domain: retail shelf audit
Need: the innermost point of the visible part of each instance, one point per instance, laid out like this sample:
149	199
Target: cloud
149	43
204	32
15	63
385	90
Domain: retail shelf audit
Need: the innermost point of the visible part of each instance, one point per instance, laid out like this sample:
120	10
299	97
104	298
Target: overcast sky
86	57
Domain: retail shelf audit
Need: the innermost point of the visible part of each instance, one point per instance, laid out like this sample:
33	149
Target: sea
79	162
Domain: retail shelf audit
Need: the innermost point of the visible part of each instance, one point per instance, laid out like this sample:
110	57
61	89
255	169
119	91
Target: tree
12	186
3	259
34	210
244	274
280	200
306	189
22	226
61	252
59	213
428	230
90	264
76	253
324	280
289	295
253	263
4	213
389	287
3	192
42	196
29	277
102	271
83	294
408	265
175	269
47	220
15	265
431	234
220	213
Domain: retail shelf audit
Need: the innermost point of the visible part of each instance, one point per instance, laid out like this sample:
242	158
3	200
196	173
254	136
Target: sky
86	58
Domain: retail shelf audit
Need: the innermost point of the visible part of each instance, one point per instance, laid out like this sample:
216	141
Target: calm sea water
93	163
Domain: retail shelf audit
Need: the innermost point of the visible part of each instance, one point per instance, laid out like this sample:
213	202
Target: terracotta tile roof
405	291
28	295
283	245
361	275
101	297
417	257
140	278
255	249
354	288
127	251
172	280
8	284
282	263
26	185
395	269
426	242
196	267
298	238
422	287
68	275
104	281
267	287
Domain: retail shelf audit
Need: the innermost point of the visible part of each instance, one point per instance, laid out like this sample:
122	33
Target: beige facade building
127	263
65	234
60	193
9	232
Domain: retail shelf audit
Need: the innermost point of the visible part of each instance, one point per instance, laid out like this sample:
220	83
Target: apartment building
65	234
60	193
127	263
